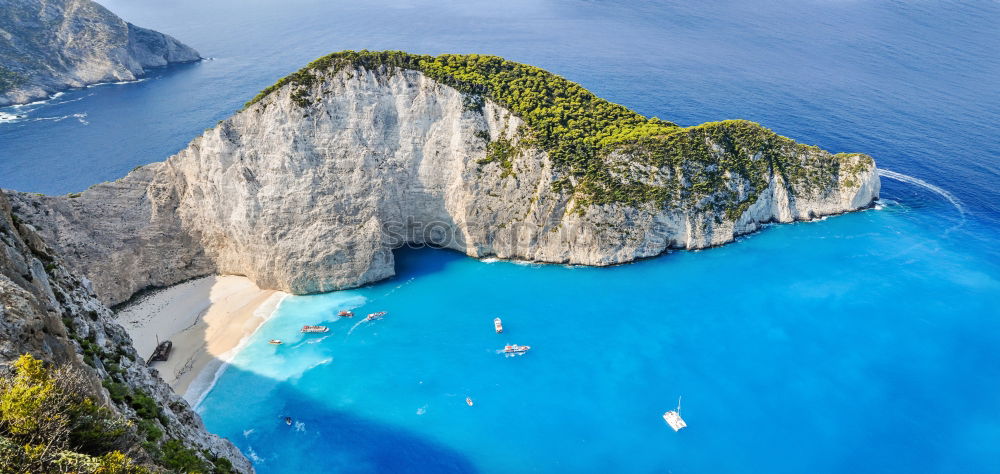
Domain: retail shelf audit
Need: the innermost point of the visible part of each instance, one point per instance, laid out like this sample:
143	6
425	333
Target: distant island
319	178
49	46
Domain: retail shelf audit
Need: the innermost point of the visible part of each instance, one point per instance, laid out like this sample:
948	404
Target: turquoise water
861	343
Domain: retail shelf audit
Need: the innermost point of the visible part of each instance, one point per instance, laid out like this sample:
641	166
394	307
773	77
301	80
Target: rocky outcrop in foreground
311	187
47	46
51	313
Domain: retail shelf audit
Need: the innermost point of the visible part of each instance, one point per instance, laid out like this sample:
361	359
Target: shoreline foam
208	320
199	387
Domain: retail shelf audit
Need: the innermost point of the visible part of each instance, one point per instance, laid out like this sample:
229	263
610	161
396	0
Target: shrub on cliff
48	424
9	79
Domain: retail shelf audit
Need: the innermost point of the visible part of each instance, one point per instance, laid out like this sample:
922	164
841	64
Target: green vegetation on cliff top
581	132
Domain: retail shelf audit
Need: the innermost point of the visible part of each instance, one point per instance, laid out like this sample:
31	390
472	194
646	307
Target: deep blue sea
867	342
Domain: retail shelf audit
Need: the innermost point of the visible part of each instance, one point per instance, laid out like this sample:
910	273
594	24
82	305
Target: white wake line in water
351	331
936	189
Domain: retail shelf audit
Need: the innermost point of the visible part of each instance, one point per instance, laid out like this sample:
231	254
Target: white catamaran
673	417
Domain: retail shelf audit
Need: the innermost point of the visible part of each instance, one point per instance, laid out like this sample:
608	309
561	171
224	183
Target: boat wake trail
356	326
935	189
310	341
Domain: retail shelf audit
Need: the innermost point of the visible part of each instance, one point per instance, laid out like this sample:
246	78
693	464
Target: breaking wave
11	118
118	82
81	117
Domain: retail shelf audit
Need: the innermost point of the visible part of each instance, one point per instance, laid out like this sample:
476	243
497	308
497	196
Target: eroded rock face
310	191
47	46
47	310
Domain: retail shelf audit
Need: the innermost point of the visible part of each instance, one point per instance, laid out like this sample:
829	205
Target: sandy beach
206	319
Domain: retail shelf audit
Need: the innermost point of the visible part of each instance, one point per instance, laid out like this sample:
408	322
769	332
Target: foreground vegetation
49	424
582	133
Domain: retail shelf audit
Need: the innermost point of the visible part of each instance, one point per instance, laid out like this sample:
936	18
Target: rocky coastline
50	46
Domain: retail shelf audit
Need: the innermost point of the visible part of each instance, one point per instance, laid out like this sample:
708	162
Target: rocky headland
313	184
48	46
317	180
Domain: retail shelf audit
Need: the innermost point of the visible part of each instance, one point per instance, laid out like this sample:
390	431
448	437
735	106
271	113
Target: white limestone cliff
310	194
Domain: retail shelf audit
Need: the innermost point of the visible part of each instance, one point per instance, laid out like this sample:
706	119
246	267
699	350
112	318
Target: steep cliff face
47	46
50	312
311	187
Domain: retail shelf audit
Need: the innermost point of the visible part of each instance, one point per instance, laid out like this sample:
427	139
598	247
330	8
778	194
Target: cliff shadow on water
319	438
412	262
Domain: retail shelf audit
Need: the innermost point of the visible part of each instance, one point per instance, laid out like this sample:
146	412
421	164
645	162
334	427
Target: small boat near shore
515	349
346	314
376	315
468	401
315	329
673	417
275	342
498	325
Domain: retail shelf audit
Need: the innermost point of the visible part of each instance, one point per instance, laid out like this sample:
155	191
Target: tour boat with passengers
346	314
515	349
374	316
315	329
498	325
